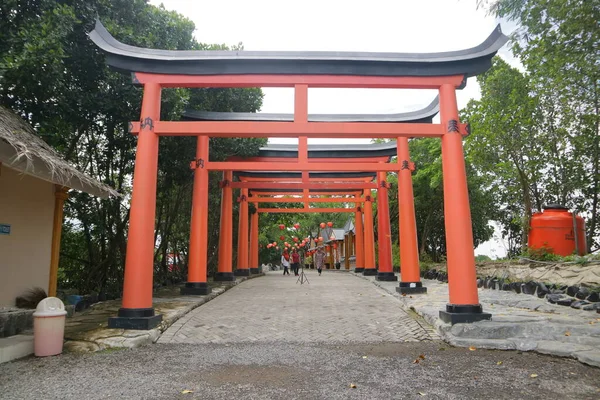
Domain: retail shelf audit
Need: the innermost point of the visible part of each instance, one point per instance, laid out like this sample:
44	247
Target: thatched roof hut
22	150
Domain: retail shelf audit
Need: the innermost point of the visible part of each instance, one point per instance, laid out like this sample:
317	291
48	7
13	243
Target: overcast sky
346	25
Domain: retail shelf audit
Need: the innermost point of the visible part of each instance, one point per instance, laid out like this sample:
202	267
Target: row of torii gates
348	173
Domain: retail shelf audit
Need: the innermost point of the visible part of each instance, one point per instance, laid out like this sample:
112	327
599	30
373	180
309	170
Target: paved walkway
334	307
519	322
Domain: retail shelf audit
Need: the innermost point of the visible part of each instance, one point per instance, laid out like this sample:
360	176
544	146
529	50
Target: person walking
285	261
295	262
319	258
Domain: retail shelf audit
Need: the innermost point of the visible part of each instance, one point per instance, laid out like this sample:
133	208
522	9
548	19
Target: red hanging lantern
297	225
330	224
295	239
281	237
286	243
282	226
274	243
320	238
322	225
335	245
269	246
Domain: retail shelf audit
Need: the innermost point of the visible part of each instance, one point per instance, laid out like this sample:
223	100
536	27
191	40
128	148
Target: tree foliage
54	77
558	44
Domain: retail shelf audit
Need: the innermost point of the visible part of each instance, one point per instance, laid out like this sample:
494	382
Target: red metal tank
553	228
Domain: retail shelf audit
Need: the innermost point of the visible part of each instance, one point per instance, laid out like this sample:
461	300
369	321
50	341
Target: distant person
295	262
319	258
285	261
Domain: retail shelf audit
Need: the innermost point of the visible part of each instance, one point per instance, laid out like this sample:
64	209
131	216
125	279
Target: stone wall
560	273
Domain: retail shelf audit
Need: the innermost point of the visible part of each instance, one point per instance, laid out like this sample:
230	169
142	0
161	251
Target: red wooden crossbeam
349	192
321	167
318	81
312	185
303	200
306	210
256	129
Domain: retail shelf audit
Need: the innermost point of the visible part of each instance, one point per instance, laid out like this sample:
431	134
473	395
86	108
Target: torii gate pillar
224	269
137	311
410	279
385	271
359	241
462	279
369	239
196	284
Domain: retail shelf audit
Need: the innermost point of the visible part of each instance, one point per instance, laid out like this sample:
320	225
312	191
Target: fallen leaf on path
422	356
410	297
364	356
472	348
186	391
567	333
534	375
416	361
421	393
499	363
403	294
441	349
352	386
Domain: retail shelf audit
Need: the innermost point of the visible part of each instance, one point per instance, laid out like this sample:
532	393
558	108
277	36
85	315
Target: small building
34	183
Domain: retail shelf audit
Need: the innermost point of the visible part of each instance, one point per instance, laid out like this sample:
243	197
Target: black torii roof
423	115
467	62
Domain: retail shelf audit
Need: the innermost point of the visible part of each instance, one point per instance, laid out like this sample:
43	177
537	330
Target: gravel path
300	371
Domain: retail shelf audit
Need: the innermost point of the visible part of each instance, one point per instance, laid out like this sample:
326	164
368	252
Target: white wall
27	204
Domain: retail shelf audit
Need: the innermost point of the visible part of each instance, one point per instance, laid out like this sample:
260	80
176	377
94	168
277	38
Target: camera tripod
302	278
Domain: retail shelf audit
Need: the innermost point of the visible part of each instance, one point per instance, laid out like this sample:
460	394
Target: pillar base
224	277
463	313
411	288
135	318
358	270
253	271
242	272
369	272
386	276
196	288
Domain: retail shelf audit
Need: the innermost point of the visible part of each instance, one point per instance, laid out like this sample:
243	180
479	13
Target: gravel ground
295	371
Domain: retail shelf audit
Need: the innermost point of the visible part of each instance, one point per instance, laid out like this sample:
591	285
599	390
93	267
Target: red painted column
369	238
196	283
384	234
254	243
410	278
224	269
464	301
242	256
137	311
359	240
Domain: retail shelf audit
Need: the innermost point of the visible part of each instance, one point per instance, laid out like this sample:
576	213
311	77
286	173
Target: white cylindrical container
49	327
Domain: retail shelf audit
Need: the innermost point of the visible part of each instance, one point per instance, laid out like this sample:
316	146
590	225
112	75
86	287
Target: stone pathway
335	307
519	322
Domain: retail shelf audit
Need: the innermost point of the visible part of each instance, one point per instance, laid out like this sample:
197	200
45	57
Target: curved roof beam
468	62
423	115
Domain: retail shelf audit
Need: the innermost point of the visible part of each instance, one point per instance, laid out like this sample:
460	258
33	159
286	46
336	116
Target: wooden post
462	285
197	284
137	311
60	195
225	266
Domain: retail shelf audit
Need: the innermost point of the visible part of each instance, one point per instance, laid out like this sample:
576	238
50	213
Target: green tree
55	77
558	43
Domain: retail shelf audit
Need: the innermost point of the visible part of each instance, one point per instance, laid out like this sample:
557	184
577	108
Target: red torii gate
157	69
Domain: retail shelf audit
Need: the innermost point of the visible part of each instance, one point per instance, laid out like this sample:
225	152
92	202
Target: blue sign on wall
4	229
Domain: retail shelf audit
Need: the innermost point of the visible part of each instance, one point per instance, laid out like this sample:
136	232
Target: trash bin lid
50	307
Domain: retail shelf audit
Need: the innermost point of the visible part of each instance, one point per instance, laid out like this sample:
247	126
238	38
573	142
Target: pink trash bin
49	327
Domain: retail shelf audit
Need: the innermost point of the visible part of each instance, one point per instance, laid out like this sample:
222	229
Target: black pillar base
196	288
386	276
242	272
224	277
135	318
460	313
359	270
369	272
254	271
411	288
